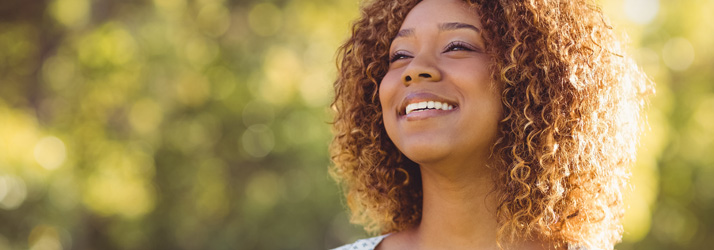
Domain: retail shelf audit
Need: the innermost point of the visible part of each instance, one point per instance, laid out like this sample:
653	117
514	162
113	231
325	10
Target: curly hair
572	111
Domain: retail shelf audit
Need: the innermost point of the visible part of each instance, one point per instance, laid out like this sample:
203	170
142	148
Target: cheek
480	91
478	84
491	98
387	92
387	99
494	107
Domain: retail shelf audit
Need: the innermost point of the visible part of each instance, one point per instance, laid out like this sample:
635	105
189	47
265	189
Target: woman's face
438	103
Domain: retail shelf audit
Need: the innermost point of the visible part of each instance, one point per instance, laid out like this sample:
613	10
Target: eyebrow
442	27
457	25
405	33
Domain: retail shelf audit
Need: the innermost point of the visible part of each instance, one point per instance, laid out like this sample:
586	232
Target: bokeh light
44	238
265	19
641	11
678	53
50	152
258	140
70	12
13	192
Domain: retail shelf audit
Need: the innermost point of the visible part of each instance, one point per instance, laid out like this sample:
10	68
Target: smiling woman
485	125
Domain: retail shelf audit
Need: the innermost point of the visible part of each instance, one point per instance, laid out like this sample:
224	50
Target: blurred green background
203	124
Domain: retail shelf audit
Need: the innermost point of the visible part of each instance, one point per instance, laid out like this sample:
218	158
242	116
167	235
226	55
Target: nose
421	68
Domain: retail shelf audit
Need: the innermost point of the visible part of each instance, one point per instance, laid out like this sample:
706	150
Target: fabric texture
363	244
371	243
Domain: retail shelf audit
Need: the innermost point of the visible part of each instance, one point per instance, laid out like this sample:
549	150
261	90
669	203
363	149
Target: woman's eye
459	46
398	56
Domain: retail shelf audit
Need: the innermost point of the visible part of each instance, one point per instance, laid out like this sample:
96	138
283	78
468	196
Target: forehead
431	12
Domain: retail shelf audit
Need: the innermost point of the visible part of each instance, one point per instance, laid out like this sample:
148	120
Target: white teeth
414	107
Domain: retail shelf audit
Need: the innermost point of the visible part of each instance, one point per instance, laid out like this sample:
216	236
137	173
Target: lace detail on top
371	243
363	244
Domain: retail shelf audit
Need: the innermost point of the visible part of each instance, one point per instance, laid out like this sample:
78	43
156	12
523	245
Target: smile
427	105
422	105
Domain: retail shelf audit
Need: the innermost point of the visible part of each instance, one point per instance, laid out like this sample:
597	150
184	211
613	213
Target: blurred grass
203	124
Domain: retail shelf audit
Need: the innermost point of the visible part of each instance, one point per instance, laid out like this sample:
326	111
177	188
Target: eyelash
397	55
461	46
458	44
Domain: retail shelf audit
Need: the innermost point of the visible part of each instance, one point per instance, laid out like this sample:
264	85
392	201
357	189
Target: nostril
424	75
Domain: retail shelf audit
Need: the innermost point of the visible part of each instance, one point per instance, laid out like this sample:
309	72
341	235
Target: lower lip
426	114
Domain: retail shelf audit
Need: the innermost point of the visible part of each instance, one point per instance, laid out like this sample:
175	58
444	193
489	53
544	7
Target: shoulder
363	244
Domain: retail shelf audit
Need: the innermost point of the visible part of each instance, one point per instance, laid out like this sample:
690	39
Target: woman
485	125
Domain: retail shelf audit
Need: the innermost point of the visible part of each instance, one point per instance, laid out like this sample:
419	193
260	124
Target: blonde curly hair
572	103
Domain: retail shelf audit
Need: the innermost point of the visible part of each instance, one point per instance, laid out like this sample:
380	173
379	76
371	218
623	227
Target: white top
363	244
371	243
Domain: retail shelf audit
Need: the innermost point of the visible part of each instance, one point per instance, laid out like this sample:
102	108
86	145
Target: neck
459	208
458	212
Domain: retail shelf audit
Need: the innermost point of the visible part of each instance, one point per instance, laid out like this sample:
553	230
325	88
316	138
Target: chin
425	153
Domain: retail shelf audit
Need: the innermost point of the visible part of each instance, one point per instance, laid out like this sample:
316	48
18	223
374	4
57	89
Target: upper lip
421	97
